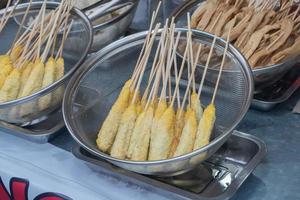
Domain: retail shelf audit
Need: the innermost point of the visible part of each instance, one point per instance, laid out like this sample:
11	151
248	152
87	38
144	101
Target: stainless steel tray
41	132
281	91
217	179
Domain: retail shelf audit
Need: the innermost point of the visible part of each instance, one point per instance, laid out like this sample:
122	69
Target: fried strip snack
205	127
121	143
188	135
109	128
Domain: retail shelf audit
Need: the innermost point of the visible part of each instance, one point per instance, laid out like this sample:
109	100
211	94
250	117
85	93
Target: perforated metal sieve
94	88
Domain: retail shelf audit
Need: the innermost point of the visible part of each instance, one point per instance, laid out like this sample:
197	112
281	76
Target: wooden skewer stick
2	24
156	62
23	58
20	27
66	14
65	36
41	29
191	76
144	61
191	49
206	67
138	67
177	91
181	69
170	59
221	69
50	39
9	15
153	19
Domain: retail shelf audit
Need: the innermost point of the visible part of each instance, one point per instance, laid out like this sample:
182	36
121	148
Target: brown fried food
224	20
256	38
286	30
290	52
210	10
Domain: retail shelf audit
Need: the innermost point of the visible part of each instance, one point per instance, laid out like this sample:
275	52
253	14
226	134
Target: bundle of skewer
33	63
263	34
160	123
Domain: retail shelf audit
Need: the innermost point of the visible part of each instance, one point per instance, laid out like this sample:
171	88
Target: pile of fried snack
32	64
159	123
265	33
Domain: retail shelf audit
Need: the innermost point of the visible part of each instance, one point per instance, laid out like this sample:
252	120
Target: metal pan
217	179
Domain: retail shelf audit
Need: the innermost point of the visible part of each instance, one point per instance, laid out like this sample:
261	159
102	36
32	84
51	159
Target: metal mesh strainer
95	86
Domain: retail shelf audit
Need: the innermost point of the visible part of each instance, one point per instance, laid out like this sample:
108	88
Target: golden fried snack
32	85
16	52
121	143
165	131
161	108
140	151
5	68
59	73
138	128
109	128
196	106
49	78
11	86
188	135
25	74
205	127
35	79
179	124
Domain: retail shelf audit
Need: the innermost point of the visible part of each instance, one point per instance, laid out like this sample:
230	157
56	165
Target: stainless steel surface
101	75
75	51
96	13
40	133
297	108
263	76
113	23
279	92
219	178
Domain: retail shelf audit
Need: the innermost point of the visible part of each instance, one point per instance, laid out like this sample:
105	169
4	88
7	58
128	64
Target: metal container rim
90	64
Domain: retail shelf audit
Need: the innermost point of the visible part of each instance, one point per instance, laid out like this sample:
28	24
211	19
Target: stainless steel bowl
263	76
24	111
94	88
112	24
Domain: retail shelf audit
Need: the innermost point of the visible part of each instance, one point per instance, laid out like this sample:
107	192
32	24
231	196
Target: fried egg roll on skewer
141	148
5	68
189	130
122	141
108	131
157	147
207	121
11	86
